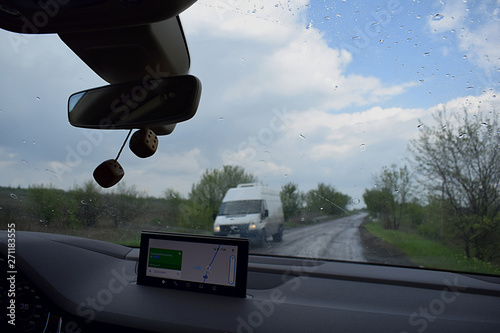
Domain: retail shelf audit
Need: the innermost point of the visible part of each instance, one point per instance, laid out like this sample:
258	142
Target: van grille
234	229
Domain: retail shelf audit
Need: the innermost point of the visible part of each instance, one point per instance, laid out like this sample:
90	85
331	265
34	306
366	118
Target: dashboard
70	284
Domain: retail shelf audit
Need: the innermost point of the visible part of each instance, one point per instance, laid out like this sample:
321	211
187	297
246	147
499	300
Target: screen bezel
240	288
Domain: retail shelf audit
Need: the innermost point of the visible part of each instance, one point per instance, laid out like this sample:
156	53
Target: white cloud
233	19
343	149
476	27
283	59
308	65
487	102
452	15
483	45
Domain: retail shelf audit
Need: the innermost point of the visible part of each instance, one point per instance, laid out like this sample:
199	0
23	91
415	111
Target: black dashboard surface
79	285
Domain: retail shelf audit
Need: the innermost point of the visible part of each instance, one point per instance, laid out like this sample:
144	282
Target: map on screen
195	262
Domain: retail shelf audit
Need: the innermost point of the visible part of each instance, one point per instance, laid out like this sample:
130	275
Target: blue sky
395	42
288	94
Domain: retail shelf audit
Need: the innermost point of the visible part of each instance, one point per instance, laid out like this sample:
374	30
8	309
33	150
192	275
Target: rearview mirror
141	104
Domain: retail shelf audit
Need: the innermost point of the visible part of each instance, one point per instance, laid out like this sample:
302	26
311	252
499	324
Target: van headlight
217	228
252	226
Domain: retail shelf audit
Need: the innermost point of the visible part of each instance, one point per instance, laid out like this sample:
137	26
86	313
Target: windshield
241	207
376	124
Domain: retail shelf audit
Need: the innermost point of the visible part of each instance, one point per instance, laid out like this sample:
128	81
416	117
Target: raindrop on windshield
13	196
362	147
355	201
38	98
83	202
496	14
302	136
437	17
420	126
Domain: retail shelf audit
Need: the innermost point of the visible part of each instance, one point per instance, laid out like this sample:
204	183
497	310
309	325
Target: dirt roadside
380	252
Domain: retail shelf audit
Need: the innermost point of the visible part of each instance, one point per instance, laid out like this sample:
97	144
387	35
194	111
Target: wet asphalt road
336	239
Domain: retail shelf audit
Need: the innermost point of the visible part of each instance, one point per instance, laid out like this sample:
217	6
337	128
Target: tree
207	195
291	199
87	203
47	203
124	204
378	203
327	201
173	203
459	157
393	195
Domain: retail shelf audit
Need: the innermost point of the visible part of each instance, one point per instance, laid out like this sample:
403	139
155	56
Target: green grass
135	239
431	254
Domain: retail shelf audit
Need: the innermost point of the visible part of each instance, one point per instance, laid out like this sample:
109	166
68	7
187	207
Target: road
336	239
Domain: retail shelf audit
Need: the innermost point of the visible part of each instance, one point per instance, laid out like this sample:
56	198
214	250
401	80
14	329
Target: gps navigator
207	264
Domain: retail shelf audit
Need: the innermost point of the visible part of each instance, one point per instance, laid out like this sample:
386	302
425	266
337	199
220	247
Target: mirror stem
123	145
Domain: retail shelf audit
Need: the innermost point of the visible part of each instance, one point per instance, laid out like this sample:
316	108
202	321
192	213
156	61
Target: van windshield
241	207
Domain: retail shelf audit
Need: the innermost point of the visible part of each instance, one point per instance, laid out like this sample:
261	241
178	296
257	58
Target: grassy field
431	254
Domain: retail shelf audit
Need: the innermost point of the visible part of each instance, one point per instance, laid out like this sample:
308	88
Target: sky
293	91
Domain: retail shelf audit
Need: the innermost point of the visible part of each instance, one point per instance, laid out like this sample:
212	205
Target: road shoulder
380	252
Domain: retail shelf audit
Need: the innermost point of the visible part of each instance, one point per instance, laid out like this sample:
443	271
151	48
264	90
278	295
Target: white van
253	211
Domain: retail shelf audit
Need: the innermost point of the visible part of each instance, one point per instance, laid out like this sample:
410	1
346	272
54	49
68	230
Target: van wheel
278	237
263	238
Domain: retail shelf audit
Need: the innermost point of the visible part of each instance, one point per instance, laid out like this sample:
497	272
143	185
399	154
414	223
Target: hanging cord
123	145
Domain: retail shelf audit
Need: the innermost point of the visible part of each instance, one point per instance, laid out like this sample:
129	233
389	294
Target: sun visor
62	16
119	55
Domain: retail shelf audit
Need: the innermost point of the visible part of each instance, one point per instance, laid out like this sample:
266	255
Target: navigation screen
199	263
